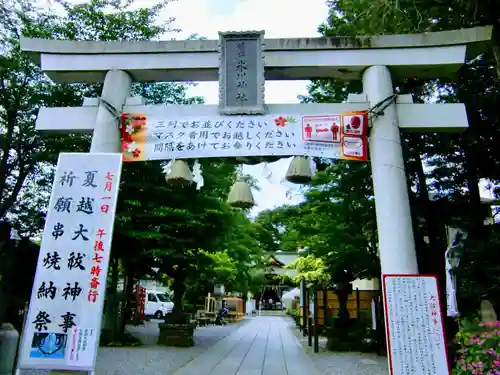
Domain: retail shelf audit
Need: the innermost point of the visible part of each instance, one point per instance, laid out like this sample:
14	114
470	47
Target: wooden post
326	315
358	303
316	321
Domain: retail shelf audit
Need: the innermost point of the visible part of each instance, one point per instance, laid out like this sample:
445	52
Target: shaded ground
338	363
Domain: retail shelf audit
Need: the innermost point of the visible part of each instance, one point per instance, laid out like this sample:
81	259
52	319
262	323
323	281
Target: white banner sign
339	136
415	334
64	317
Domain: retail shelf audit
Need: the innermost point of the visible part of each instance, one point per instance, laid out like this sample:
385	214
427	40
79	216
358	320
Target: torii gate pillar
115	91
395	231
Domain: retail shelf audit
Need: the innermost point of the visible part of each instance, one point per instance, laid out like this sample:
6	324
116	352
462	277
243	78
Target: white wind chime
178	173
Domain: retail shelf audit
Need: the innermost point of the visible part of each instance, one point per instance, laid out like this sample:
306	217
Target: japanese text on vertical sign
416	341
241	73
73	257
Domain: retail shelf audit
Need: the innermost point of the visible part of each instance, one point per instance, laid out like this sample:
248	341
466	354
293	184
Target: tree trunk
179	289
343	291
128	292
111	310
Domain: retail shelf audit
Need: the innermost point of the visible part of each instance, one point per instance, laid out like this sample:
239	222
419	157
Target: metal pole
309	331
305	310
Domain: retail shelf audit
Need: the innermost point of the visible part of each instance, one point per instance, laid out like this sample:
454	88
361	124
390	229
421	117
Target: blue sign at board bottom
48	345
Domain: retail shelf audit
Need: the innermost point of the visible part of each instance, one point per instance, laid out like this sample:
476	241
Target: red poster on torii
347	131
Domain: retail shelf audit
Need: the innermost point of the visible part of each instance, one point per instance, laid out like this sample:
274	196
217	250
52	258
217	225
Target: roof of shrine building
436	54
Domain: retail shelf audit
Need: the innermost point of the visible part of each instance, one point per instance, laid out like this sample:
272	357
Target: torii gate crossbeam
371	59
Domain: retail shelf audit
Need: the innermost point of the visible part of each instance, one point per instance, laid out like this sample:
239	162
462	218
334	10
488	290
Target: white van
158	304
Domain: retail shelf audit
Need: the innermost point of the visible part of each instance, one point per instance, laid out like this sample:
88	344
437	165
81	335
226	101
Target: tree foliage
443	170
27	157
311	270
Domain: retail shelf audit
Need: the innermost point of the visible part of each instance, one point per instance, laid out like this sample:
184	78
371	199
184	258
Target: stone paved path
264	346
151	359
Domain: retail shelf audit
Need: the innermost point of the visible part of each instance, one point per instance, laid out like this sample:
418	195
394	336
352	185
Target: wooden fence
359	300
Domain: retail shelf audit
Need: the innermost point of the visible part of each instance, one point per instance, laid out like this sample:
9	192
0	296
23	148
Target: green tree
26	157
311	270
457	162
174	226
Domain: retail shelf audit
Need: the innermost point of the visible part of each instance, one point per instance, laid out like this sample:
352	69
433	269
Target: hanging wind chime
299	171
240	195
179	174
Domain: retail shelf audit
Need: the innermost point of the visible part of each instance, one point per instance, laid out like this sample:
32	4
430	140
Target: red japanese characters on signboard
62	326
98	249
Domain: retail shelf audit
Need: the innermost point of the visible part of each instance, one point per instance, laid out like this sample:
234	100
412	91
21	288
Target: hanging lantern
299	171
240	195
180	174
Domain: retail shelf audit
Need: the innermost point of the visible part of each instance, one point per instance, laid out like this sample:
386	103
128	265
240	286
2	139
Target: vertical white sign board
64	317
415	334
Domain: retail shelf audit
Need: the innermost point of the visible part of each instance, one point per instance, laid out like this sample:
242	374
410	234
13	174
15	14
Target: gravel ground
151	359
338	363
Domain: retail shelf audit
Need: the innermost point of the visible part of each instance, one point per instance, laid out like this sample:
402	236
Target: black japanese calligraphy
67	179
41	321
63	204
80	232
58	230
90	179
46	291
76	261
68	321
52	260
241	73
71	291
86	205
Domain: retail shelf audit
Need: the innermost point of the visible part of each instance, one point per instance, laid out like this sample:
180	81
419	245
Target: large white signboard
415	333
339	136
64	316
